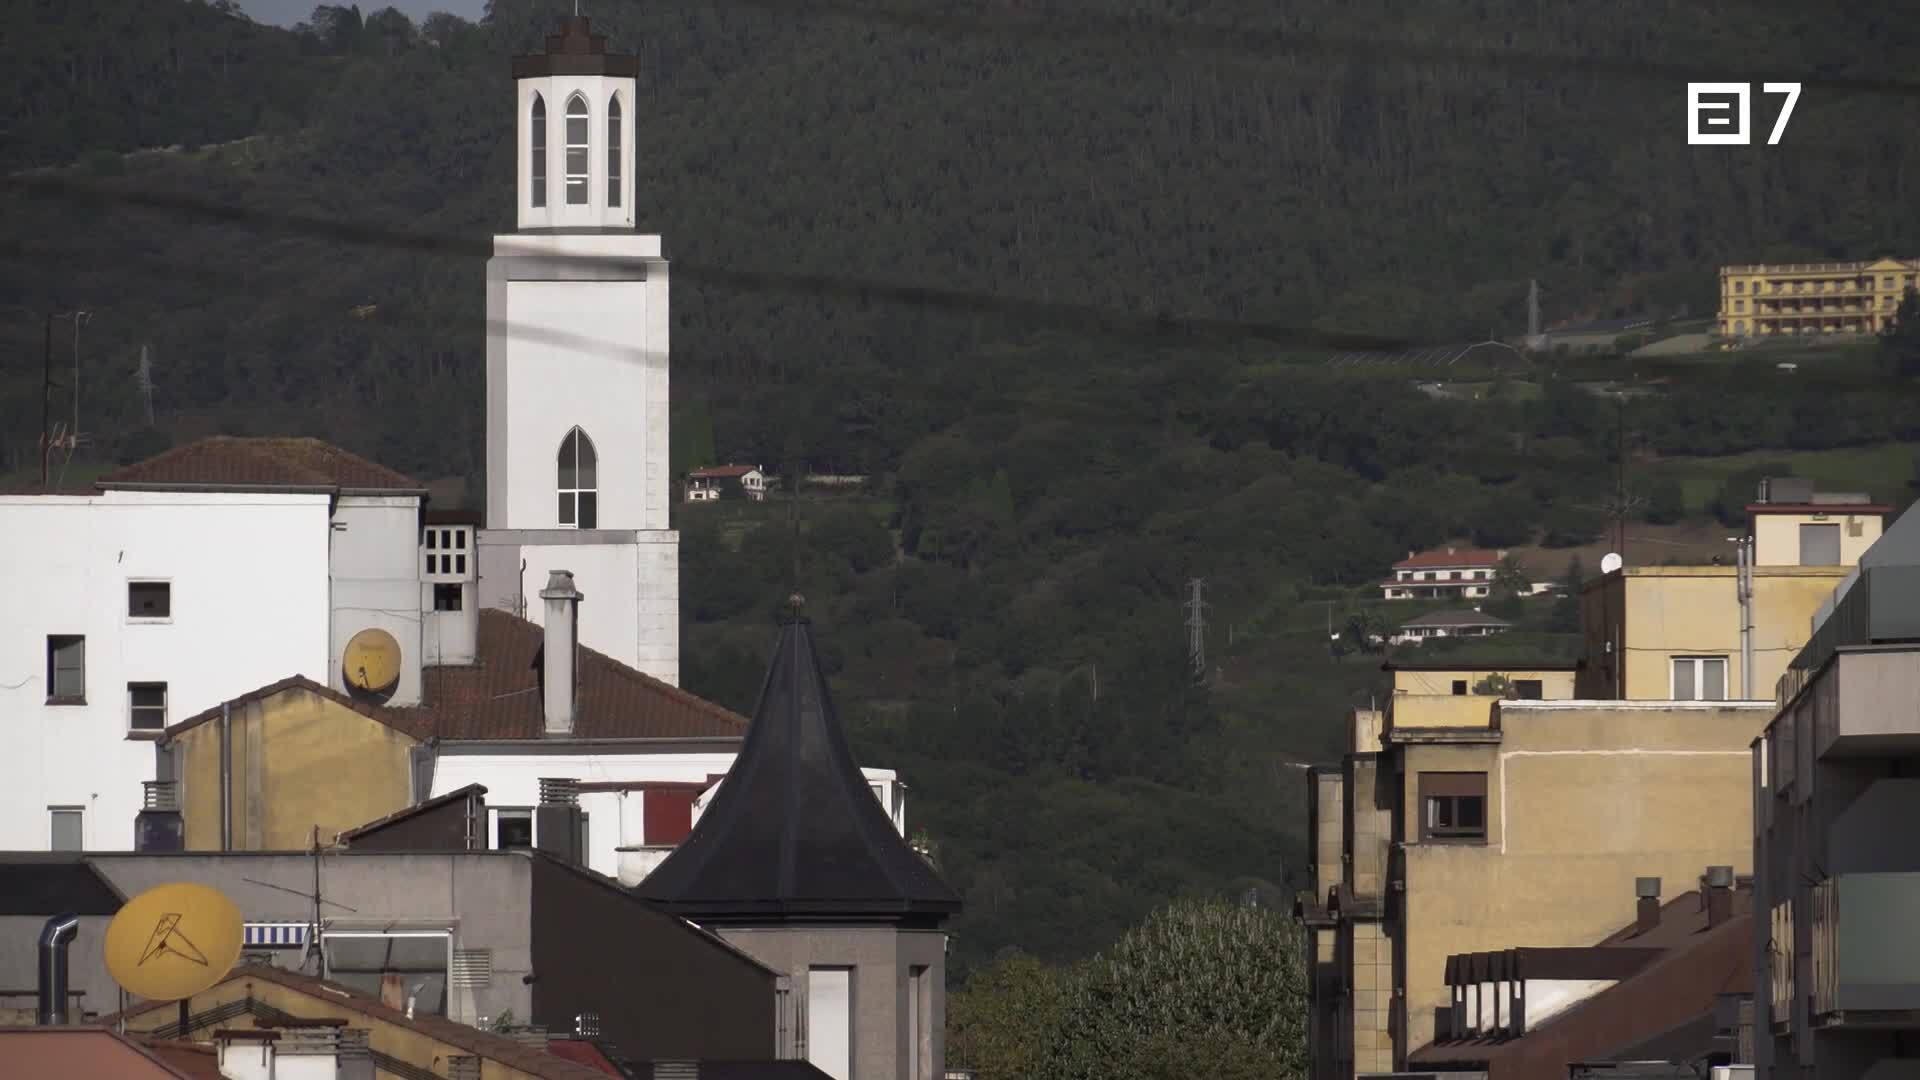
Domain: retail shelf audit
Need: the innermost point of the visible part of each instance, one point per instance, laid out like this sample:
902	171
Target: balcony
1874	604
1866	955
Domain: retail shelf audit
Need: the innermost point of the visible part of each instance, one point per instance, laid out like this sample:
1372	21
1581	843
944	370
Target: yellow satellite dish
371	665
173	941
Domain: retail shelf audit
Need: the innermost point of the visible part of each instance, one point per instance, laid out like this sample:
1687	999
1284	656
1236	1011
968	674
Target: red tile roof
583	1052
497	697
1449	558
87	1052
187	1059
232	462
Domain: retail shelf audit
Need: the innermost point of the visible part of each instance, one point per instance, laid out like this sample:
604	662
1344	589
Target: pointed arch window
577	150
537	150
579	482
613	150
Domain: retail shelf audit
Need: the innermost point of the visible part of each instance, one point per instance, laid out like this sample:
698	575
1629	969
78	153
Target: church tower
577	374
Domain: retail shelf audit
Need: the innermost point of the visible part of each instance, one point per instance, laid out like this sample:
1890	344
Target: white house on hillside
1444	573
710	485
1448	624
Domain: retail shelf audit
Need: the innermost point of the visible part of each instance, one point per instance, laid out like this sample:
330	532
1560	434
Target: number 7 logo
1792	90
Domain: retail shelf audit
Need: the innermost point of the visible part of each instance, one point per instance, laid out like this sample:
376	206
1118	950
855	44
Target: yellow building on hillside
1764	300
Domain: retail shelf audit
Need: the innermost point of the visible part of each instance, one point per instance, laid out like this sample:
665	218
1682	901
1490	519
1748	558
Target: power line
1084	319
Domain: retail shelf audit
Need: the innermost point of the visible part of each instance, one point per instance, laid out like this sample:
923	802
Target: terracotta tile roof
228	461
583	1052
1449	558
87	1051
187	1059
497	697
334	999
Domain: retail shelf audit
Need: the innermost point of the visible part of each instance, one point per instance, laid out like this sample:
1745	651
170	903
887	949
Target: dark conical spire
795	834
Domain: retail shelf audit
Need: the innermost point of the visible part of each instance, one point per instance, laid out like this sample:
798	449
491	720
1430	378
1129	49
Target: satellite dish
173	941
1610	562
371	665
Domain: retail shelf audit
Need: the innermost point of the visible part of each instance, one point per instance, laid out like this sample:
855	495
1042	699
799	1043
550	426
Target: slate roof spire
794	834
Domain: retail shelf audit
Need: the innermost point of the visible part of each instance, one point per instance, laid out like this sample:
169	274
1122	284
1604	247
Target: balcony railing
1866	957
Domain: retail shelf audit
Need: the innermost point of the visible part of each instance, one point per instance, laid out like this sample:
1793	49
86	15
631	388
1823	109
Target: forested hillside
1003	608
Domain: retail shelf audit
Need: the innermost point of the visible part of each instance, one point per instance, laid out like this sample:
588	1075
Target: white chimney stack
561	651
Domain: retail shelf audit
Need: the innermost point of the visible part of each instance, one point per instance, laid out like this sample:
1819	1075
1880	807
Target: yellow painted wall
1651	614
1581	799
1553	684
1441	710
394	1040
298	760
1776	537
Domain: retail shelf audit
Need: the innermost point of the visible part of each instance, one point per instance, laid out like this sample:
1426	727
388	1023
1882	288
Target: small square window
513	830
149	599
446	598
67	669
1453	807
1459	687
147	706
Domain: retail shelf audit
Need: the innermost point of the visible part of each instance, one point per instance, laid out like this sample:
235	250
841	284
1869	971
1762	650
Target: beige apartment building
1785	299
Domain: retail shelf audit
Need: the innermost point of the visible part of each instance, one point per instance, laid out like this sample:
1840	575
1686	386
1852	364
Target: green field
1884	471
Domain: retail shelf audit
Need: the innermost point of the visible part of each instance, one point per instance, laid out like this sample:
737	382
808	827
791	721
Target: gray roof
1455	618
794	833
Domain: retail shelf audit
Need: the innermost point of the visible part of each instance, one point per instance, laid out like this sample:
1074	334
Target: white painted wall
555	90
1547	998
376	571
249	576
615	820
632	588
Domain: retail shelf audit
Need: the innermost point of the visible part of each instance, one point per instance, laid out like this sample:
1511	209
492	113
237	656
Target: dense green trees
1201	988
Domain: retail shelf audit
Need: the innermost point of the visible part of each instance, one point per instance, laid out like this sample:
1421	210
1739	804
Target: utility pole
1196	607
46	402
78	318
1743	585
143	378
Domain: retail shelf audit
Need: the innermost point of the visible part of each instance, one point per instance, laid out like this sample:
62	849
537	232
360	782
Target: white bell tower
577	374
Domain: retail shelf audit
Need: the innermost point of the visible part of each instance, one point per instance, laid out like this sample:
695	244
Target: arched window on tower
537	149
579	487
613	150
577	162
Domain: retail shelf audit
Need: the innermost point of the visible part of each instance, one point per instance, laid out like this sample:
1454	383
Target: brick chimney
560	653
1719	895
1647	914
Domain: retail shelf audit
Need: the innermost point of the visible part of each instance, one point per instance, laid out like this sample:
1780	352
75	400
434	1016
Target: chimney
1647	916
54	939
561	651
246	1053
1719	895
557	822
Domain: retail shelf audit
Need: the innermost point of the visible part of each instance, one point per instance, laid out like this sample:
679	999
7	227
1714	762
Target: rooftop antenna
143	378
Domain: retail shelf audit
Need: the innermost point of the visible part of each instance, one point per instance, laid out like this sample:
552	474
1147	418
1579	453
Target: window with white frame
1699	678
66	830
579	482
613	150
537	150
447	550
577	151
410	965
147	706
149	600
66	668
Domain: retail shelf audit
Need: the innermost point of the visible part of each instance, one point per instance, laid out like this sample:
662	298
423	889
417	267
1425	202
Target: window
1739	286
513	829
577	163
1700	678
613	151
399	967
830	1020
147	706
65	828
149	600
67	669
537	150
666	814
1739	305
579	491
446	598
1453	807
1820	545
1459	687
446	552
1528	689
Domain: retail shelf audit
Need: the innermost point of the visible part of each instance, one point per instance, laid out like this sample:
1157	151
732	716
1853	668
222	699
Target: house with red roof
1443	574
